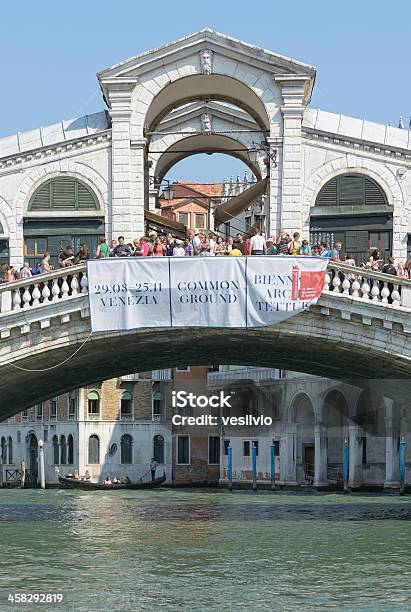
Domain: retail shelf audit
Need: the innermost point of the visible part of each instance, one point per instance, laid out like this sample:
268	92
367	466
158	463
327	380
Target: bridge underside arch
105	356
212	87
204	143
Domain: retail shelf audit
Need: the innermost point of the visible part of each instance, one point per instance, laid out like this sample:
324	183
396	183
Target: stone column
355	476
288	473
293	90
392	446
321	455
127	181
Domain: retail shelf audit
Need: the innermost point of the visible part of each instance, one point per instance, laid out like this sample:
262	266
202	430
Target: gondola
86	485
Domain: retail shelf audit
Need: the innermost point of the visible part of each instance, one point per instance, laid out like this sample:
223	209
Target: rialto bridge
359	329
327	174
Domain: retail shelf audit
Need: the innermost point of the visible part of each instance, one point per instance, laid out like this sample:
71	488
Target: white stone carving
206	123
206	58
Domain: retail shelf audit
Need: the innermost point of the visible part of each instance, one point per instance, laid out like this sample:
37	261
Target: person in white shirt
178	250
196	241
258	246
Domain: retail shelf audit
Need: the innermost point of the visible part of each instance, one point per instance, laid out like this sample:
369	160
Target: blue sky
52	50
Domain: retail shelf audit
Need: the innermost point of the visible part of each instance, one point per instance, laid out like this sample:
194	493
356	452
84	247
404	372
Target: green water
206	550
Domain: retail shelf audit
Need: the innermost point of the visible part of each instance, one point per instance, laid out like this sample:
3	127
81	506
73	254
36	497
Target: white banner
135	292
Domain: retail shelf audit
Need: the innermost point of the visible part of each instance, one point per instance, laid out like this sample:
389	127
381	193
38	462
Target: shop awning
234	206
164	224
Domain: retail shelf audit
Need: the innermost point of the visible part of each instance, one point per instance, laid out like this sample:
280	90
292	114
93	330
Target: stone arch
293	403
332	396
201	143
6	219
213	87
36	177
69	168
377	171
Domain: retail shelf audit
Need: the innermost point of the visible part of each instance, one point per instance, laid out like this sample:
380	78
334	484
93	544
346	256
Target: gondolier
153	467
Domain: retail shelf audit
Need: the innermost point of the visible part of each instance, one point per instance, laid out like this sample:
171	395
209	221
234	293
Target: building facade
112	429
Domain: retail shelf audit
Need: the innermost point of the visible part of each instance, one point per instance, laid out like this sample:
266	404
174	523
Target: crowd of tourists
207	244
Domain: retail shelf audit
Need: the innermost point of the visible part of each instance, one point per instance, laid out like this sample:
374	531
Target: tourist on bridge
153	467
66	257
295	244
121	249
257	243
103	250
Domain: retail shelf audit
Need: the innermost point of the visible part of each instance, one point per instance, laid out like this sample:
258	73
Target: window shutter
351	190
328	194
373	194
41	198
85	198
63	193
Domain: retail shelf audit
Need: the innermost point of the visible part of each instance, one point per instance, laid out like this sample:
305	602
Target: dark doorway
32	457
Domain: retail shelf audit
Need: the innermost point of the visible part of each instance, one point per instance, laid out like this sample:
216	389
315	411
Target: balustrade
43	288
340	280
364	284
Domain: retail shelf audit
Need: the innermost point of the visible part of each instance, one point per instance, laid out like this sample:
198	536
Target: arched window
55	450
10	446
157	404
3	450
63	193
353	209
126	444
94	449
355	190
93	404
158	448
70	450
72	405
63	450
126	406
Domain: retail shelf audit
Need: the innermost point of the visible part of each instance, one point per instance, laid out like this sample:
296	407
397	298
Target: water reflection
208	550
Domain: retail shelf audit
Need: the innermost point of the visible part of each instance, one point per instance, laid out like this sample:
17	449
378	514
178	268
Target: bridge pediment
226	46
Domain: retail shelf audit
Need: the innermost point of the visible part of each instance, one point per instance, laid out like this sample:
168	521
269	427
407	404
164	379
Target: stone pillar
392	446
127	212
355	476
321	455
288	472
293	90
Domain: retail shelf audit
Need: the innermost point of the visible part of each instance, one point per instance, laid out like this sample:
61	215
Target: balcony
130	377
231	374
161	375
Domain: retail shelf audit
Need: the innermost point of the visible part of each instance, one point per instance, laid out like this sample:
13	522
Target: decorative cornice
358	145
59	148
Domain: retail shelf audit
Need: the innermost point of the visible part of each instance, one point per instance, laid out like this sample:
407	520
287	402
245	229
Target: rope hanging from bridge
58	364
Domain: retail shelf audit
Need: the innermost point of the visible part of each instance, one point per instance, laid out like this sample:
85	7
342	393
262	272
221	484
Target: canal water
195	550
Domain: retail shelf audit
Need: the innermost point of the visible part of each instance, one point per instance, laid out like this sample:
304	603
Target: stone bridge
359	329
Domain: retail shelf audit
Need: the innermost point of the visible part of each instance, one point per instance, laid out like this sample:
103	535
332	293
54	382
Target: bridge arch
226	87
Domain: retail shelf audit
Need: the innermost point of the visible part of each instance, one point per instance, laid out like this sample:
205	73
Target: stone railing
340	280
361	283
43	288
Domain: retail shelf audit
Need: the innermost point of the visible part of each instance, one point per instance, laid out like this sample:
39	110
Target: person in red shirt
247	245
